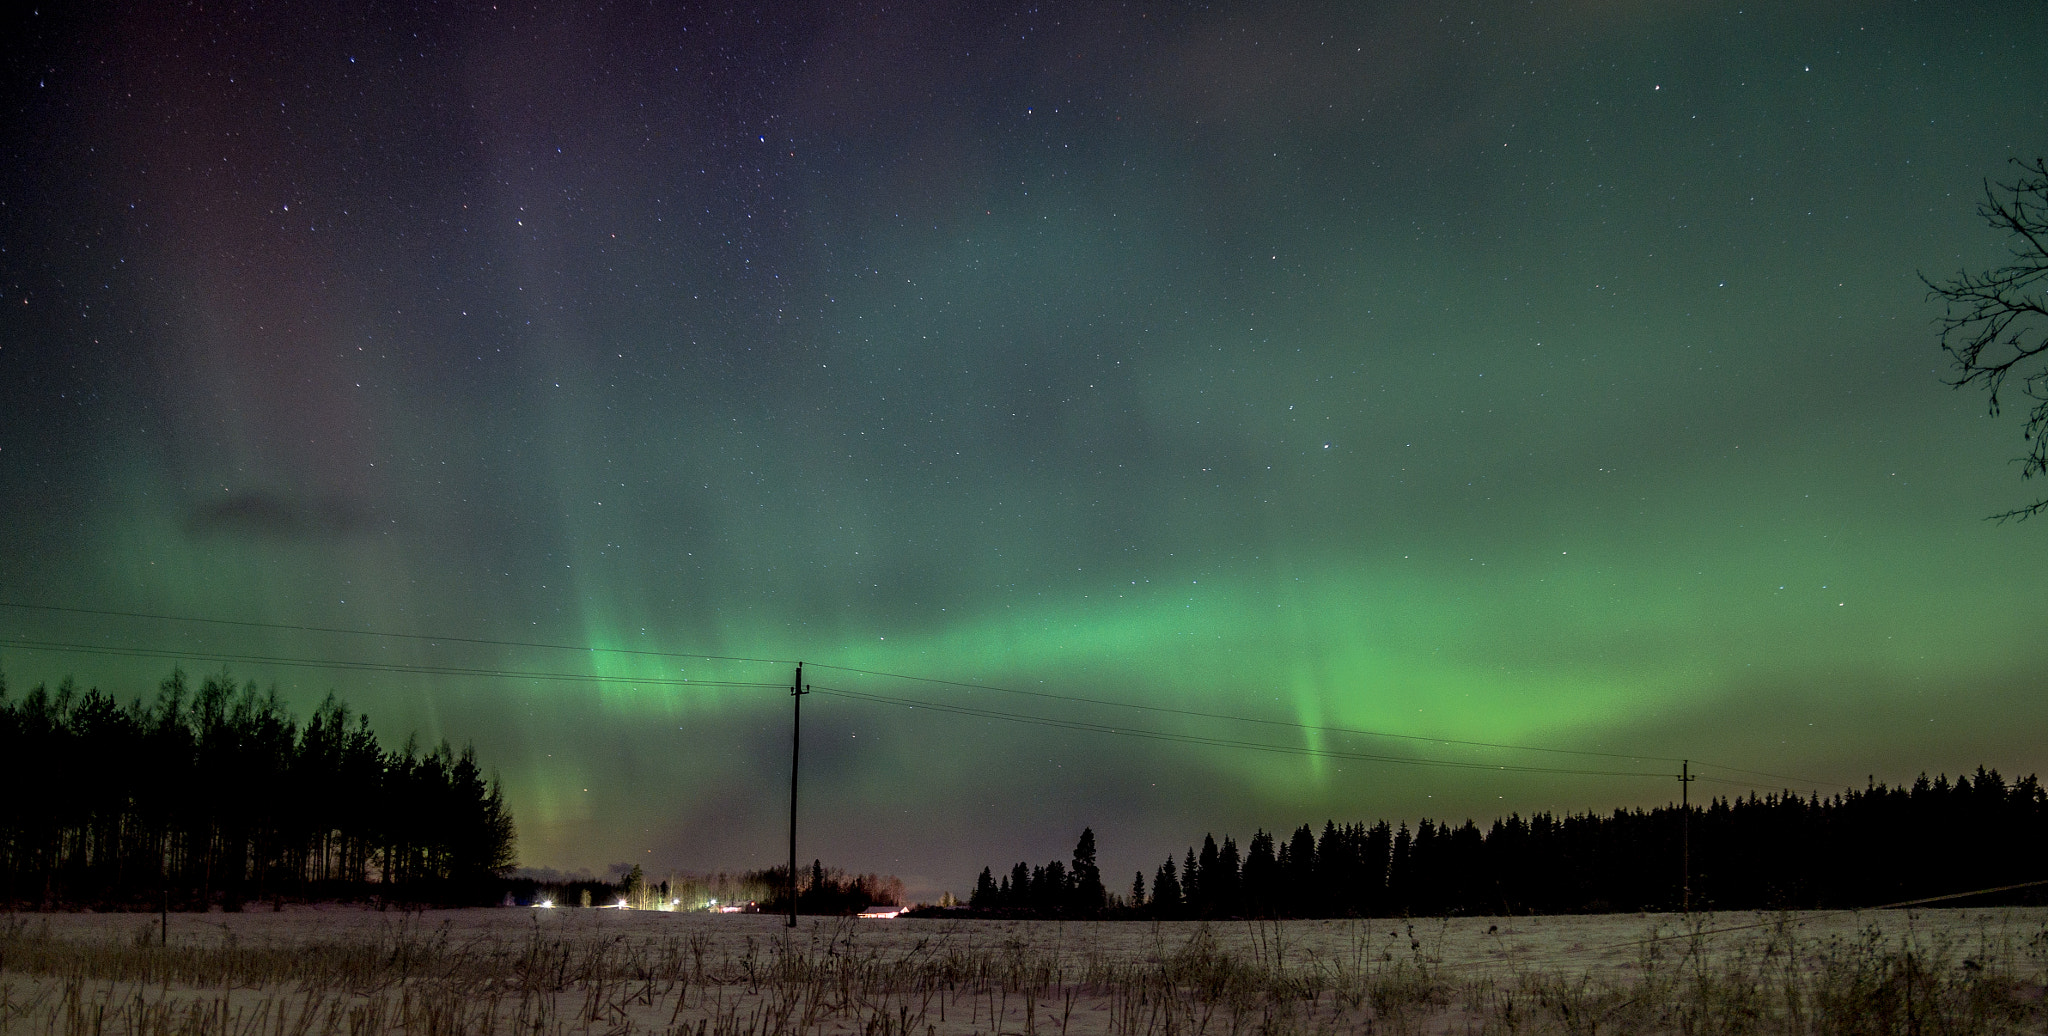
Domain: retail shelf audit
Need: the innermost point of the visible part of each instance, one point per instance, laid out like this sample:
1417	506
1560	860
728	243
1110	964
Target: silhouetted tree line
823	890
218	795
1860	848
1053	890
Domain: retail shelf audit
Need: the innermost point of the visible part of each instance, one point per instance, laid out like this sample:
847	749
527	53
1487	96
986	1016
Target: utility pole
797	691
1685	779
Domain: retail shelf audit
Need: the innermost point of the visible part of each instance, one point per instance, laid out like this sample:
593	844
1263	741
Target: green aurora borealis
1553	375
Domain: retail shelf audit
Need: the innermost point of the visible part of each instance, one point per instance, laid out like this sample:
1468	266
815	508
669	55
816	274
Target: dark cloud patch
277	516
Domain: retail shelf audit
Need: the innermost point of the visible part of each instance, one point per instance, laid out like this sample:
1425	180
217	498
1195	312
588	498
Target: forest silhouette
1877	846
216	796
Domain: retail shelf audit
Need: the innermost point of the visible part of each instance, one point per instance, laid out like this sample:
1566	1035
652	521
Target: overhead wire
1754	773
344	665
378	667
1047	695
1316	727
1197	739
1752	784
1245	719
386	633
965	710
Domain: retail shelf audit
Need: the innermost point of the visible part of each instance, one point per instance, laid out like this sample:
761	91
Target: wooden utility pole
1685	779
797	691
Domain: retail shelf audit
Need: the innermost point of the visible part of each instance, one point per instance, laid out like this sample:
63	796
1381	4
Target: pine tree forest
218	796
1978	835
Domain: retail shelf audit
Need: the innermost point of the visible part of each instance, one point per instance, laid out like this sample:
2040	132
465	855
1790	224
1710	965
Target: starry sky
1163	417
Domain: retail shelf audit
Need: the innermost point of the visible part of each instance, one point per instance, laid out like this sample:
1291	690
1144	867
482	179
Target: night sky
1550	375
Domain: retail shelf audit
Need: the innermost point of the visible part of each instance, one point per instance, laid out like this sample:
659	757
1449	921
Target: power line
384	633
964	710
1752	784
1077	699
647	652
1759	773
1216	742
376	667
1248	719
1312	727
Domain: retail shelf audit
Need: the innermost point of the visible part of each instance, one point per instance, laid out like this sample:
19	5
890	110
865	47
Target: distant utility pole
1685	779
797	691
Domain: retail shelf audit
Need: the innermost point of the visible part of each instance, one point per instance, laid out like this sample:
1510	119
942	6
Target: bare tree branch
1994	324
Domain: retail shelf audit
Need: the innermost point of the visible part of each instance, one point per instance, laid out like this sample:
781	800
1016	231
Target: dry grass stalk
408	977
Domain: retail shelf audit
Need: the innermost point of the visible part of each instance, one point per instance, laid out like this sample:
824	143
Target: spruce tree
1166	891
1054	890
1259	880
1400	893
1089	895
1300	873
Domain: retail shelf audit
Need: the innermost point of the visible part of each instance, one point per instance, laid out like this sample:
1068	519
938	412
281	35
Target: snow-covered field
349	970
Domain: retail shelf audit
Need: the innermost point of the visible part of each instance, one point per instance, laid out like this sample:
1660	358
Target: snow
643	971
